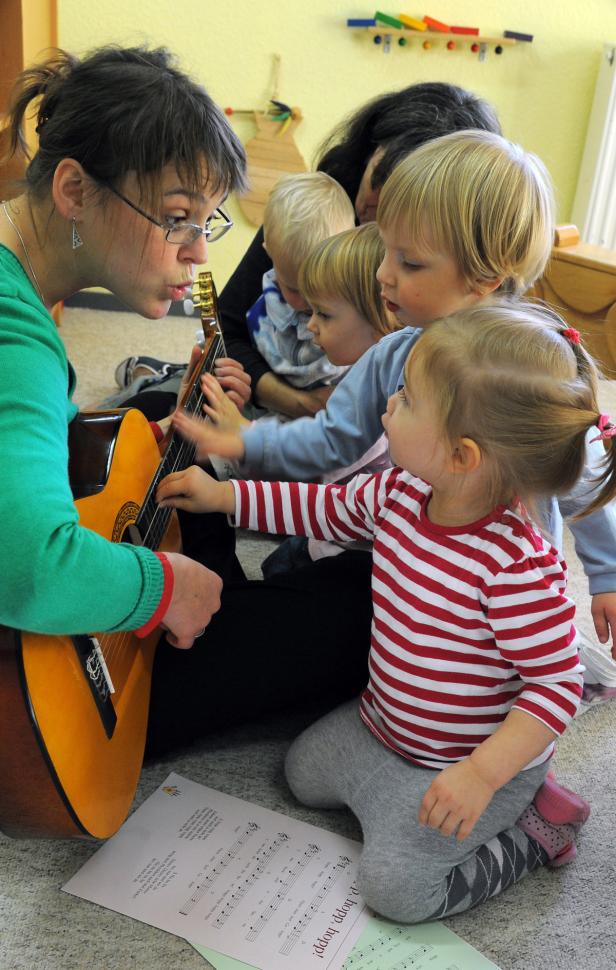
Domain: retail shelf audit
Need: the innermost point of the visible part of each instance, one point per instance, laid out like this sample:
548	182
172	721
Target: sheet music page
247	882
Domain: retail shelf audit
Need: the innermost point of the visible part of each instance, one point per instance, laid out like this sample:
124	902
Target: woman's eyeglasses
185	233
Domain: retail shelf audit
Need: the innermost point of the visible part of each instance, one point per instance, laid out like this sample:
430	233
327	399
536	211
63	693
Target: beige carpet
554	920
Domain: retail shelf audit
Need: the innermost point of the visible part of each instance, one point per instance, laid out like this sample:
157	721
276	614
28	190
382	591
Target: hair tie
605	426
572	335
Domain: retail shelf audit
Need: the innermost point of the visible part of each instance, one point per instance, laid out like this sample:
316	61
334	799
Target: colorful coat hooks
386	27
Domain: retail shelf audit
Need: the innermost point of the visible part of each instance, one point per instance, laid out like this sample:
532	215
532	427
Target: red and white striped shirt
468	622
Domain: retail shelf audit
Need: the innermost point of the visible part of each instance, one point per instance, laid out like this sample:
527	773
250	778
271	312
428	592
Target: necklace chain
26	254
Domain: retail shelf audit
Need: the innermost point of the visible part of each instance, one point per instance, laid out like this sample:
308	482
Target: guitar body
62	775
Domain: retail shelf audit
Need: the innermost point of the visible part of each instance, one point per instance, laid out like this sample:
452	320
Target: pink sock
557	840
559	805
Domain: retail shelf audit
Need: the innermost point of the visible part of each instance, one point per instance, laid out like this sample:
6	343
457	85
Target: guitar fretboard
152	521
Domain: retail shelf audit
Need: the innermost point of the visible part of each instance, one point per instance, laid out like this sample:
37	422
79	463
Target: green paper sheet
384	945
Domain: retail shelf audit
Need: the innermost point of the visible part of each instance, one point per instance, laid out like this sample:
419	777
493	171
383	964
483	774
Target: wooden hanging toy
272	153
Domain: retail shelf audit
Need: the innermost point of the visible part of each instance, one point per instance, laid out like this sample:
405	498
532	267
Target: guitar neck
152	521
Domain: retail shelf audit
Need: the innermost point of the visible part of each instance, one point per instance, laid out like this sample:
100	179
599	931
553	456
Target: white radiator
594	208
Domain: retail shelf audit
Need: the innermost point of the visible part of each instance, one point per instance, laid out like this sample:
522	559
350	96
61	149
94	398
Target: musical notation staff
293	873
262	858
412	960
342	864
220	866
387	942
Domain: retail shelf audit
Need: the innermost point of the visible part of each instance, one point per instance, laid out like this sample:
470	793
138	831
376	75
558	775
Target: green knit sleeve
57	577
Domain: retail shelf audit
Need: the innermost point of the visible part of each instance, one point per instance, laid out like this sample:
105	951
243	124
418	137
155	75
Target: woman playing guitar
134	161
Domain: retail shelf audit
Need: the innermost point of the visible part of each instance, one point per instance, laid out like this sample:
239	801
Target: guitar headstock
205	300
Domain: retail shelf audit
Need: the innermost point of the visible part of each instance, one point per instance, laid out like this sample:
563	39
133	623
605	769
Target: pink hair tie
605	426
573	336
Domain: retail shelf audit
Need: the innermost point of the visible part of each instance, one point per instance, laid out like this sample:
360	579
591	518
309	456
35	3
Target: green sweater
56	576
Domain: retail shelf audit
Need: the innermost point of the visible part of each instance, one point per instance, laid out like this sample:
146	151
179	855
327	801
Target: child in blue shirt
301	212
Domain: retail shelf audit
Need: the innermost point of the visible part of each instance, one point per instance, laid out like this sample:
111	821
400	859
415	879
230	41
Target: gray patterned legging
409	873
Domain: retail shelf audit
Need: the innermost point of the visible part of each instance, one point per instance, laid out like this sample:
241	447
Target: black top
242	290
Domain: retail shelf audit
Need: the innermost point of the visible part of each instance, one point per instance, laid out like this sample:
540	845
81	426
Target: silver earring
77	240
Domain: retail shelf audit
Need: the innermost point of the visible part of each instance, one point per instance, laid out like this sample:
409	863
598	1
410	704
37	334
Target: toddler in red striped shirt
473	666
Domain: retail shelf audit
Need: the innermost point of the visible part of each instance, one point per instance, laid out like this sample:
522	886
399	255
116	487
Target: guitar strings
117	642
160	517
121	639
151	539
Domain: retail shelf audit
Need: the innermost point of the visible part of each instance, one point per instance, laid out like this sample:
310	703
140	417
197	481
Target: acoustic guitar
73	709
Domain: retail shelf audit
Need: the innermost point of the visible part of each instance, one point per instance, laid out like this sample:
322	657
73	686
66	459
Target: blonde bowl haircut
301	211
344	267
504	374
480	199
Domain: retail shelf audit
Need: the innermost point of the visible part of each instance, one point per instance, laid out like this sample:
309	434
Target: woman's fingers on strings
234	380
232	384
220	407
236	398
227	367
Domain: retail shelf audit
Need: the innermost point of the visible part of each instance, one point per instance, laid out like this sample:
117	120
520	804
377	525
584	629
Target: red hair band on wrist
572	335
157	431
164	601
605	426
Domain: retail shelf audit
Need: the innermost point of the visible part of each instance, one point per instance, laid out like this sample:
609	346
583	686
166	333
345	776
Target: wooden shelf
432	35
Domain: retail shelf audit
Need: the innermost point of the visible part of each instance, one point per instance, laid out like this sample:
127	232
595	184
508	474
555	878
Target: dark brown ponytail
120	110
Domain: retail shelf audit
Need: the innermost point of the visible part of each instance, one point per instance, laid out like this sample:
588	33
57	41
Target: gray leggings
409	873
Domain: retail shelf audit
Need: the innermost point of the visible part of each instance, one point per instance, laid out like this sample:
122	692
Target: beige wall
542	91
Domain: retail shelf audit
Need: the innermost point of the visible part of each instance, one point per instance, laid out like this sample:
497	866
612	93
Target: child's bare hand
195	491
603	609
207	438
455	800
234	379
220	408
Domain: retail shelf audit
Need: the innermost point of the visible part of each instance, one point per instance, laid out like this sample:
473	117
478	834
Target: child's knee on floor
308	774
399	893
